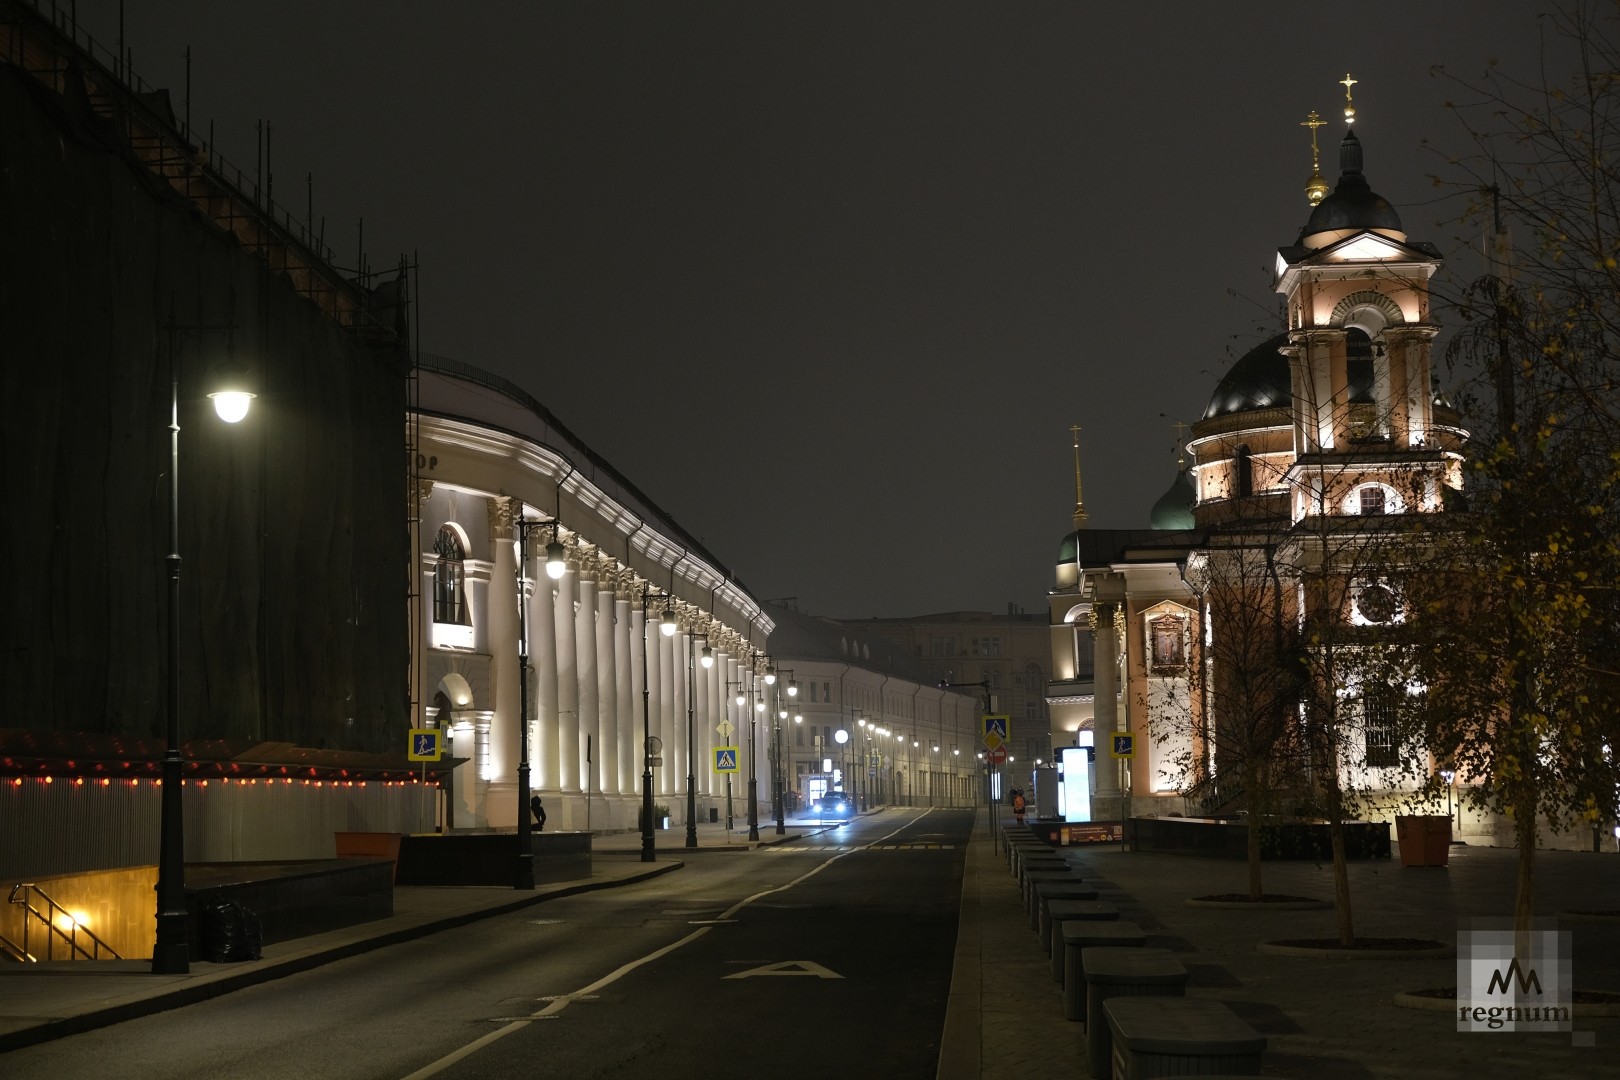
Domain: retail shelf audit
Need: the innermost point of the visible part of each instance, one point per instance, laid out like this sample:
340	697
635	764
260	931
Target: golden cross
1349	109
1313	122
1178	425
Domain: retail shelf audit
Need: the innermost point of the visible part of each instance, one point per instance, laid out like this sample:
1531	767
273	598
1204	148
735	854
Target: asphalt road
829	957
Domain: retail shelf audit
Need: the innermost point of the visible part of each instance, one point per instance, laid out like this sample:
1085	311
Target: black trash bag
230	932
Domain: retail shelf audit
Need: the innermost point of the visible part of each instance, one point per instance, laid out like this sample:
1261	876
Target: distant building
1008	653
909	741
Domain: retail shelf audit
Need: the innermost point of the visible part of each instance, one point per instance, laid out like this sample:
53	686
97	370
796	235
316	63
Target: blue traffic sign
426	745
725	759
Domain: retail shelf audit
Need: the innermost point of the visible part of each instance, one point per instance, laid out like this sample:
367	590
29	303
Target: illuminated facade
498	480
1313	448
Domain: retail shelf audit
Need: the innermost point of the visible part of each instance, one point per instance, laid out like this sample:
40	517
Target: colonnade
594	649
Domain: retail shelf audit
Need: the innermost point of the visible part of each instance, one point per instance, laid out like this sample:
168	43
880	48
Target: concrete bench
1160	1036
1016	848
1040	865
1045	886
1072	938
1035	851
1057	912
1110	972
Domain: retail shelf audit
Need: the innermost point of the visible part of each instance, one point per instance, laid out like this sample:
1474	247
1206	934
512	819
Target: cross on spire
1316	188
1079	500
1349	107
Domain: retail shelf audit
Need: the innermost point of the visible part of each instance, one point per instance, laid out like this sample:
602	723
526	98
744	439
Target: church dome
1174	510
1354	206
1260	380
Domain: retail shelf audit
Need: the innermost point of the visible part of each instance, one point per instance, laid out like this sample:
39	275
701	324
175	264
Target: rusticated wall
293	617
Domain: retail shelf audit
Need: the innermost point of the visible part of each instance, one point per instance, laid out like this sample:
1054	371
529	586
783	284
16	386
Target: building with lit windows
1004	655
1314	445
909	741
530	551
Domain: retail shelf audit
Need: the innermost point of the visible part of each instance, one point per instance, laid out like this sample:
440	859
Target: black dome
1260	380
1353	205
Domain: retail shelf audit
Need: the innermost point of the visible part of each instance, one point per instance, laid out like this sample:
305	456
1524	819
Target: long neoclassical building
531	548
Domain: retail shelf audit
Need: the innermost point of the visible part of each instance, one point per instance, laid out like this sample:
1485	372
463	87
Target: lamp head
667	623
707	658
556	560
770	673
232	400
793	688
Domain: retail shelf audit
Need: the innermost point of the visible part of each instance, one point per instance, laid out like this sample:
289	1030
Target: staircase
49	926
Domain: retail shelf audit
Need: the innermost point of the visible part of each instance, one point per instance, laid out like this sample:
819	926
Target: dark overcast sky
830	281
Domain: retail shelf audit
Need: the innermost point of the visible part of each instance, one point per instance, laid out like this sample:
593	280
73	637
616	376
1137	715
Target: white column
607	675
543	656
503	650
624	728
567	681
703	726
685	712
642	672
585	646
1105	710
673	675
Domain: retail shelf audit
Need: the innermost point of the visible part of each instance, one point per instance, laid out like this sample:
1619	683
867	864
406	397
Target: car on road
834	804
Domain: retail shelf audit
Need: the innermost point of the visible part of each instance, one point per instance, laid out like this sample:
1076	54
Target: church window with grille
1382	742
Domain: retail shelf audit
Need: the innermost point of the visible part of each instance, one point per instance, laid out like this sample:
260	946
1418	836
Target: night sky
831	281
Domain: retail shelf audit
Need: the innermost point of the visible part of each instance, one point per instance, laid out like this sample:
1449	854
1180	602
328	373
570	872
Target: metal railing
61	928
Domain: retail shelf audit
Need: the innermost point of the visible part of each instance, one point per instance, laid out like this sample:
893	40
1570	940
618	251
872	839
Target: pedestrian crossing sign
425	745
1124	746
994	728
725	759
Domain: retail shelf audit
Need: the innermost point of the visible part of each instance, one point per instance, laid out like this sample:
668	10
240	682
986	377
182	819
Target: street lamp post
171	951
753	767
691	779
649	851
556	566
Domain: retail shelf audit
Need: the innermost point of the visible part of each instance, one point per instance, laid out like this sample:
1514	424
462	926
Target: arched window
1244	466
449	578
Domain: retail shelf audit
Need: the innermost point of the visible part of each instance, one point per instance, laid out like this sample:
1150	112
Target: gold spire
1316	188
1349	107
1079	499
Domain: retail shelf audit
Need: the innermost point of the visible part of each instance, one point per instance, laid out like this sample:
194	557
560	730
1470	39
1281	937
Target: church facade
1231	640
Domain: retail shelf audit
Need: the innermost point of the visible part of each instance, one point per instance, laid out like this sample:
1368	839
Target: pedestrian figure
1018	806
539	811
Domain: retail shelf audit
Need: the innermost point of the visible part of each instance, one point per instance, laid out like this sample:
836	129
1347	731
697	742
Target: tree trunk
1341	866
1255	891
1524	835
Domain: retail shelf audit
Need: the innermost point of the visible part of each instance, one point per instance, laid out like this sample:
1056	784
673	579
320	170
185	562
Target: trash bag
230	932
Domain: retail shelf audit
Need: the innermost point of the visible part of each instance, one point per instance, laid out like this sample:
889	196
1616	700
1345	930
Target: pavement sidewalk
40	1002
1326	1019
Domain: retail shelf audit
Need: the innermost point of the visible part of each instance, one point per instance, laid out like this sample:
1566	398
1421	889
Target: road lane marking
787	967
561	1001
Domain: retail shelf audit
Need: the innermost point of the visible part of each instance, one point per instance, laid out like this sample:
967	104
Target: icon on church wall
1167	641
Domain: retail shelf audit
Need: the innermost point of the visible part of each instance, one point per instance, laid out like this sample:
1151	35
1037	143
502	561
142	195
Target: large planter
1425	839
368	845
